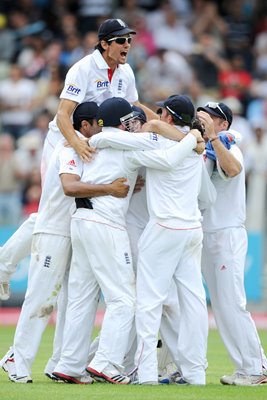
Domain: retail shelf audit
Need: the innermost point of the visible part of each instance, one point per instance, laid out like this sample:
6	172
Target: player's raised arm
64	113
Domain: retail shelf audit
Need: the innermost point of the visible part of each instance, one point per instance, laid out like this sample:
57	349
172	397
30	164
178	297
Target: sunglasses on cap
213	106
121	40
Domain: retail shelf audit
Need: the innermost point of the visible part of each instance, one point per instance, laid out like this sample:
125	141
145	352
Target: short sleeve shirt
87	80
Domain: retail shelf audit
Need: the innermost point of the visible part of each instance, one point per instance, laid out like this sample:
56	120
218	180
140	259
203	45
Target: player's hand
85	152
139	184
208	124
200	147
119	188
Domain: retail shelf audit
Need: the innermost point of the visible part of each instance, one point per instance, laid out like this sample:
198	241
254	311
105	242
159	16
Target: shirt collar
99	60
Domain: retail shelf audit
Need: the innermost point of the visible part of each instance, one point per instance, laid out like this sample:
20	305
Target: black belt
84	203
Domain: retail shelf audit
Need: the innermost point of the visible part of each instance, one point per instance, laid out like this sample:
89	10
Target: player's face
219	123
135	125
117	53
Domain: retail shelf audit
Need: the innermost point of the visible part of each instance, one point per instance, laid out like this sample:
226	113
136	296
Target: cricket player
224	251
103	219
51	253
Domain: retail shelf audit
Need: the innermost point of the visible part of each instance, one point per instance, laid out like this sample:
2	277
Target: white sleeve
207	194
75	84
70	163
165	159
238	155
125	140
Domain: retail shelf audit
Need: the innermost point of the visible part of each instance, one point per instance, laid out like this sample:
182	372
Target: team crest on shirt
101	84
127	258
73	89
120	85
153	136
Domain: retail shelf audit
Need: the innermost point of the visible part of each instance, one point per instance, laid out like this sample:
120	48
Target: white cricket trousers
169	326
101	259
17	247
166	254
223	263
50	258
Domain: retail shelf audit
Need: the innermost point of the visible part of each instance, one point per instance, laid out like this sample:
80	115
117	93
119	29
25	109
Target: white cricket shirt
87	80
55	209
172	187
110	164
229	209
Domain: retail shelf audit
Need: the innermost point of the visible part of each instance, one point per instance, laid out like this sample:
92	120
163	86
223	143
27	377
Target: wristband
212	140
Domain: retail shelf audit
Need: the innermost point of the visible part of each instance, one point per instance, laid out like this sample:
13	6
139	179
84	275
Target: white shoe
110	374
4	290
229	379
8	364
250	380
22	379
80	380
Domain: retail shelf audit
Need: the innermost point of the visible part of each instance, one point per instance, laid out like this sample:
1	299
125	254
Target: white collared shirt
87	80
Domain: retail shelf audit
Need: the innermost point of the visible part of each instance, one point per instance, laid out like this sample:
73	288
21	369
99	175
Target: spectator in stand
238	38
129	11
242	125
18	97
143	45
10	197
206	19
32	56
7	41
29	154
257	108
168	68
144	37
257	178
89	42
72	50
32	193
234	79
91	14
40	126
260	51
173	34
205	60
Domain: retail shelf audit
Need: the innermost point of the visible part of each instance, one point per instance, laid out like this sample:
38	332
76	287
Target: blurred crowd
210	50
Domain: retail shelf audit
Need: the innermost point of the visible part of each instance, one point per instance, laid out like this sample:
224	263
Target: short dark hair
99	47
78	124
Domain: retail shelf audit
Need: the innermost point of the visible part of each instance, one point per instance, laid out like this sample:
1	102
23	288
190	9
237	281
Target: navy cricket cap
113	27
218	110
112	110
180	107
87	110
138	112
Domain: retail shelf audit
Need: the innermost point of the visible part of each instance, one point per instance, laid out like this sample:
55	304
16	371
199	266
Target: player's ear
104	44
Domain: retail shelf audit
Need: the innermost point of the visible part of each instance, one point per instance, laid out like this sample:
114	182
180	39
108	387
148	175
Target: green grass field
44	389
